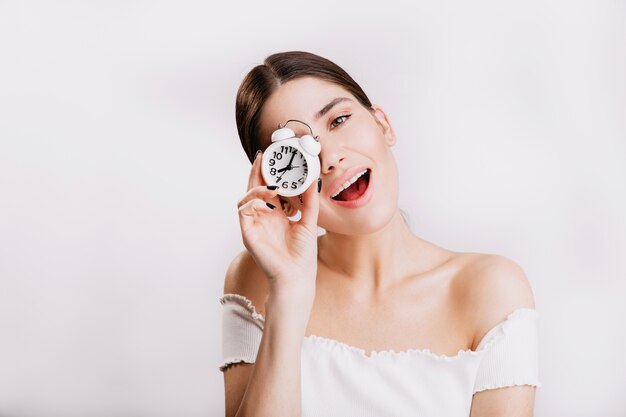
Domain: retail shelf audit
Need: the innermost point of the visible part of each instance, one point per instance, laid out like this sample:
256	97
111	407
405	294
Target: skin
371	270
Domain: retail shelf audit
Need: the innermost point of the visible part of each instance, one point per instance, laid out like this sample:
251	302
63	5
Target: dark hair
262	81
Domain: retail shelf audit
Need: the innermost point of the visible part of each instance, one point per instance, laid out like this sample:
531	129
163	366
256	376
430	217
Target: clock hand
287	167
281	177
293	154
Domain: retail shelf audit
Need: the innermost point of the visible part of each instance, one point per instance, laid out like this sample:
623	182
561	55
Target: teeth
348	183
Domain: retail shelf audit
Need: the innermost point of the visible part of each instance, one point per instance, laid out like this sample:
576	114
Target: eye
339	120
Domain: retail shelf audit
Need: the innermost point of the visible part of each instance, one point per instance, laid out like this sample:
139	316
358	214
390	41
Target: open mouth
356	189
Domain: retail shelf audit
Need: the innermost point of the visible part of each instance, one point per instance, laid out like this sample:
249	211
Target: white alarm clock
290	162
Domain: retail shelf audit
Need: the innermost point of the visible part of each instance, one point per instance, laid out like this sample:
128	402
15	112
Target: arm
271	384
284	255
510	402
274	385
498	286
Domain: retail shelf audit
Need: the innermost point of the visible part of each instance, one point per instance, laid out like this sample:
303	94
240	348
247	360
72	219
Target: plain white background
120	170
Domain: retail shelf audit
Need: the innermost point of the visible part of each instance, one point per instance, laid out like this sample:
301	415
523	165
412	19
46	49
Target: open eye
339	120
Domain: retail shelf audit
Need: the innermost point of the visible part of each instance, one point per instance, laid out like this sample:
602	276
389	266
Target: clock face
287	167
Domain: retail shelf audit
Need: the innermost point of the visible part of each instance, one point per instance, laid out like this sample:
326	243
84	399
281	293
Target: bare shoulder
488	288
244	277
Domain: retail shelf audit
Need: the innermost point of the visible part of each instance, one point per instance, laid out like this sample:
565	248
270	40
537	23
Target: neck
373	262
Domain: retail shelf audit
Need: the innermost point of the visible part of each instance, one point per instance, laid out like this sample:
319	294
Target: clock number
301	180
278	155
285	184
273	171
272	162
294	185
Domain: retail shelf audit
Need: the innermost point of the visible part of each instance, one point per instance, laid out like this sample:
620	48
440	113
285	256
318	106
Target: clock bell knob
310	145
282	133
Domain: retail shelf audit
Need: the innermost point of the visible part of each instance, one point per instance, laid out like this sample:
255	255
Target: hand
286	251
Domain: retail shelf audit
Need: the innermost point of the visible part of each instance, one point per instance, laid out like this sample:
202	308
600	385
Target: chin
363	223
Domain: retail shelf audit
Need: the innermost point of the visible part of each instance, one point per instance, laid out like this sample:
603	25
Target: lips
353	188
345	177
359	196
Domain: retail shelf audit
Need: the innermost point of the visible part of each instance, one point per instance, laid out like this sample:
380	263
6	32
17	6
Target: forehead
299	99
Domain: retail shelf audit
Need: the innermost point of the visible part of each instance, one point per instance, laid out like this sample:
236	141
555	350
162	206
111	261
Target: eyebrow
330	105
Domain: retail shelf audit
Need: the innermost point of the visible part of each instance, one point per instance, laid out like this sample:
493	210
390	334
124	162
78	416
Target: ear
383	121
288	207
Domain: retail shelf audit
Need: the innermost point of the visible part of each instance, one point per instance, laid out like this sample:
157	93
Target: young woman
367	319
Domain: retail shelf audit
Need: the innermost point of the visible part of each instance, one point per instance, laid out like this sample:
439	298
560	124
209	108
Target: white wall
120	169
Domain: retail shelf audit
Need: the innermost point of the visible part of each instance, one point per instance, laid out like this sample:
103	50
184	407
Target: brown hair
262	81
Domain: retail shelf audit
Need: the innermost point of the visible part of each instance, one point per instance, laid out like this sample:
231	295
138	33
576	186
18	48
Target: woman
367	319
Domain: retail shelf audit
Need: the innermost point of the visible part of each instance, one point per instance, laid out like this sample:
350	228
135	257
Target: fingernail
319	185
270	205
256	155
272	187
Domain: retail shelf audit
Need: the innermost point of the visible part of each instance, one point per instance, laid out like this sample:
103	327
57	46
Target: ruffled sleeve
510	353
242	329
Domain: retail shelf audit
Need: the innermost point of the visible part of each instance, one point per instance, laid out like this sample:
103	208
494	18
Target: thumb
310	206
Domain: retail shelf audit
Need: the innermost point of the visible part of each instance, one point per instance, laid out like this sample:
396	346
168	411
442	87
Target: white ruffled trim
243	301
491	337
335	344
229	362
508	384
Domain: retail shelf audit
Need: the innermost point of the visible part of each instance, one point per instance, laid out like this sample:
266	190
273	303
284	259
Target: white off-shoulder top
341	380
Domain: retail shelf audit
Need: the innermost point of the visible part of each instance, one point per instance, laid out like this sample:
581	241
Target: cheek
369	140
328	218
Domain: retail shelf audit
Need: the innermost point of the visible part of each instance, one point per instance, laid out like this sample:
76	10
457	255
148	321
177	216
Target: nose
330	158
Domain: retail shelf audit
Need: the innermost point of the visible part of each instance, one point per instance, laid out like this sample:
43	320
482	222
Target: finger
254	207
262	192
255	179
310	206
252	210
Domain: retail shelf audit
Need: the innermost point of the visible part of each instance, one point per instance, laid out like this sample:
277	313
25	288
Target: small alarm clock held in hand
290	162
